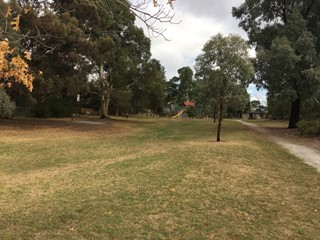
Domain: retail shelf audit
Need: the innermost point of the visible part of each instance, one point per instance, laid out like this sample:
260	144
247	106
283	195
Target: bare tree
144	11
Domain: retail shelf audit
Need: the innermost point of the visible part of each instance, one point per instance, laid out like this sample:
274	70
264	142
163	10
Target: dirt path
309	155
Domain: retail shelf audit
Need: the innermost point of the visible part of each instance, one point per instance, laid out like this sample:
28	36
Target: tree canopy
73	41
226	66
57	50
13	65
287	43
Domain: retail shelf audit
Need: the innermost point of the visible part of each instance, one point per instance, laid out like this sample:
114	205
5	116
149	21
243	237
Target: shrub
191	111
53	107
309	127
42	111
23	111
7	107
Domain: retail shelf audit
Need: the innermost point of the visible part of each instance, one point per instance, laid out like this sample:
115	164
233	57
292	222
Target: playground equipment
177	115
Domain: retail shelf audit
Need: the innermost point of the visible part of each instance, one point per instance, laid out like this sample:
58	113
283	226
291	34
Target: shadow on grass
31	124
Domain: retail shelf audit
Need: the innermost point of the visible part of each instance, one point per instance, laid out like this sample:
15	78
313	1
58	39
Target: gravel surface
305	149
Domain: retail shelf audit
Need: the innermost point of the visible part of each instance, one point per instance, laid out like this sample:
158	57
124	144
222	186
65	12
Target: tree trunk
295	113
105	99
220	119
105	95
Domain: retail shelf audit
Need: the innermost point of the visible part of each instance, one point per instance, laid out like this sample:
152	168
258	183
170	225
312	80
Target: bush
23	111
191	111
309	127
42	111
53	107
7	107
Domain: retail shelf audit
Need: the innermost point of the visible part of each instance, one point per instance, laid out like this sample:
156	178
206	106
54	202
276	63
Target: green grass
154	179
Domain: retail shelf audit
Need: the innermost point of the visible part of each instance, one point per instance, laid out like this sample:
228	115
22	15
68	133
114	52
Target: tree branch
309	9
95	93
140	8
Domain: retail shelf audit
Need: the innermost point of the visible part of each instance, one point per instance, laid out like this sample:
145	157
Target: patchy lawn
151	179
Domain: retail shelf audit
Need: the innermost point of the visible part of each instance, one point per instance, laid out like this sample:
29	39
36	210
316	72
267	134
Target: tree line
87	48
286	37
93	48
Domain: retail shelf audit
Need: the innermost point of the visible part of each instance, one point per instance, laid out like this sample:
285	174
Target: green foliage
42	111
191	111
186	84
7	107
53	107
255	104
205	95
225	61
81	38
286	37
311	107
279	107
237	101
309	127
20	96
224	67
172	91
121	100
148	90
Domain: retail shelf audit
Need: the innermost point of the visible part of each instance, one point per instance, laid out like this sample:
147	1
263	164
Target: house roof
187	104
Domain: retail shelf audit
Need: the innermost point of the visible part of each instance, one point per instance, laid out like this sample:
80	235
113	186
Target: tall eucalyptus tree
286	37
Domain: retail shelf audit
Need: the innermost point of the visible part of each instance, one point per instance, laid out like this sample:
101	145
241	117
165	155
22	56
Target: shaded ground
293	136
306	148
76	124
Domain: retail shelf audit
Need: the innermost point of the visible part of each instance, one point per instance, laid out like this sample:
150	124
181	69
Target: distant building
257	114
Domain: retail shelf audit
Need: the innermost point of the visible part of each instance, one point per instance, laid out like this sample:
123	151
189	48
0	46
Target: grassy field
151	179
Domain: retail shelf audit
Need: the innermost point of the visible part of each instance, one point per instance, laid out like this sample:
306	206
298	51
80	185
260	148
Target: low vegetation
151	179
7	107
309	127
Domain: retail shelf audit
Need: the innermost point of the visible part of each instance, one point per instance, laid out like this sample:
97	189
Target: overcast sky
201	19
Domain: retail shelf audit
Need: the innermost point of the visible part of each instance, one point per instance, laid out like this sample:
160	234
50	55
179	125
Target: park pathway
309	155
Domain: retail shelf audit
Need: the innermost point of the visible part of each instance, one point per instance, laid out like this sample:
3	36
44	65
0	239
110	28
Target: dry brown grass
151	179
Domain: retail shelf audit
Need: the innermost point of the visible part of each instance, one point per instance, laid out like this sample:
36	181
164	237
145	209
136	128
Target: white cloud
256	94
200	21
186	42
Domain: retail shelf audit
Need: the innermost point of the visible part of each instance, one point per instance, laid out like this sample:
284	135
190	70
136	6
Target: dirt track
309	154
